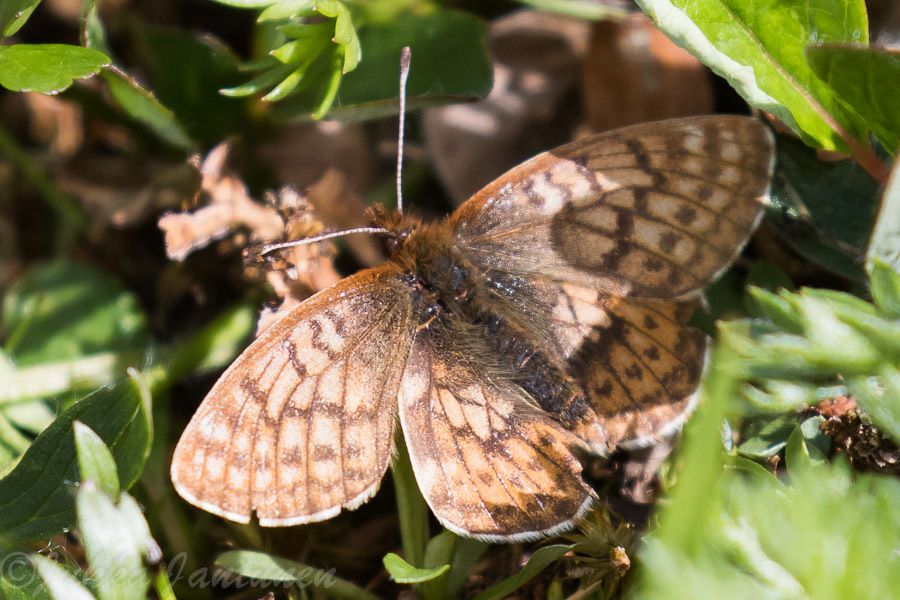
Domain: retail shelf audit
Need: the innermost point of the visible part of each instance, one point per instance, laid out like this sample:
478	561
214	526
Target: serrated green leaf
449	64
95	461
14	13
759	48
47	68
36	496
862	76
403	572
60	583
539	561
64	310
885	241
116	561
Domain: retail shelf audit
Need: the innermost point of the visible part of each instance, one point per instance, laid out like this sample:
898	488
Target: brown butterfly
548	312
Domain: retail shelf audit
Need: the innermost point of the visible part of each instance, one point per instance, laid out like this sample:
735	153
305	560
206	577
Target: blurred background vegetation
145	145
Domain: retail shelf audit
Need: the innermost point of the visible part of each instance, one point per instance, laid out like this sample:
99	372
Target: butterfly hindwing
654	210
640	370
301	424
488	464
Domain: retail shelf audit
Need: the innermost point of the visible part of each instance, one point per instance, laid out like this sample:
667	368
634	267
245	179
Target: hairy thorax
450	292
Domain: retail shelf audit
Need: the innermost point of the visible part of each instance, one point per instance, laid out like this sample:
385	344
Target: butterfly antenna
405	55
318	238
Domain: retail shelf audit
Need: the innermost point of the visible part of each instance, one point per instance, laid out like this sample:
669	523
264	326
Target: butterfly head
400	228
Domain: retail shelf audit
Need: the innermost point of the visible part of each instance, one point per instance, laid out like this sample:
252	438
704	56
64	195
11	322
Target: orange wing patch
488	464
301	423
654	210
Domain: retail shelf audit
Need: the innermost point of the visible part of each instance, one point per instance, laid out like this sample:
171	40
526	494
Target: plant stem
411	507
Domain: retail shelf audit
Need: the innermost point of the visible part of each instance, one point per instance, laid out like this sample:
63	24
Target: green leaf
187	71
766	437
759	47
14	13
403	572
438	553
884	282
47	68
95	461
466	553
861	77
61	584
807	446
36	496
264	567
412	512
93	34
824	210
116	560
19	580
880	400
141	105
216	344
64	310
768	540
449	64
539	561
885	241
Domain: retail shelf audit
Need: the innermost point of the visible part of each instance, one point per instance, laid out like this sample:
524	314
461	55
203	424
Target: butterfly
547	315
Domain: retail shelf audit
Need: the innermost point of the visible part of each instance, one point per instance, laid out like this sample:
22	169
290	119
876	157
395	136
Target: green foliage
47	68
403	572
730	528
539	561
767	539
116	537
36	496
760	48
811	212
884	245
265	567
63	310
813	341
856	73
14	13
338	67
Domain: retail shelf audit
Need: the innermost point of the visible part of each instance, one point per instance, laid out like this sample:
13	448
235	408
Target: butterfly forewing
488	463
653	210
301	423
